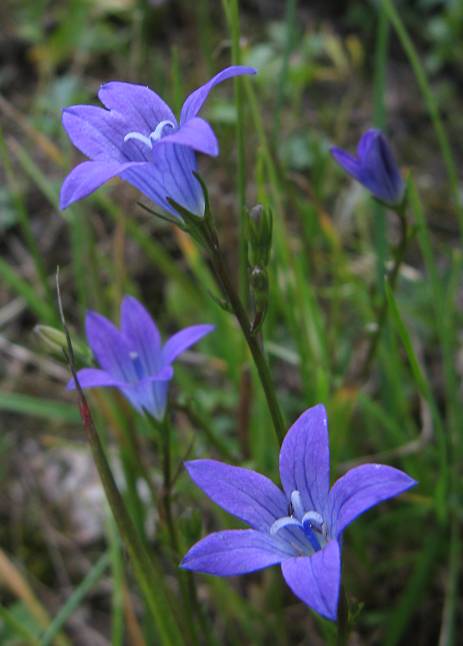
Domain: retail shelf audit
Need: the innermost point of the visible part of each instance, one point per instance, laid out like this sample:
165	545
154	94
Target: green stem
233	17
198	421
74	601
283	77
223	276
431	104
447	635
392	280
379	118
148	575
343	619
167	479
117	567
185	579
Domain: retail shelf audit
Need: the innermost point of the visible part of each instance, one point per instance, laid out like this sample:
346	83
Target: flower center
311	523
153	136
136	361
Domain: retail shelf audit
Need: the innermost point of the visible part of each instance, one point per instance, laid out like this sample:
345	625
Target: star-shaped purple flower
374	166
300	527
139	139
133	359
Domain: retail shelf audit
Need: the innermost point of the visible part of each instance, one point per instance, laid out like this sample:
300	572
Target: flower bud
258	281
260	235
374	166
54	341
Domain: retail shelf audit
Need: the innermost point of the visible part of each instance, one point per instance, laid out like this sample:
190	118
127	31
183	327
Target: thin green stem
449	616
392	280
198	420
283	77
446	331
185	578
74	601
252	340
379	118
343	619
148	576
431	104
167	480
147	573
117	567
233	18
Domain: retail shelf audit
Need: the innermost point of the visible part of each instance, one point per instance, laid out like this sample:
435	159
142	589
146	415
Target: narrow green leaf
76	598
38	407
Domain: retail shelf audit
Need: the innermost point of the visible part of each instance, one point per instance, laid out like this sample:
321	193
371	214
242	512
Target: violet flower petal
244	493
232	552
348	162
374	166
85	178
194	102
184	339
110	348
142	334
366	141
316	579
142	108
150	394
305	459
96	132
170	175
362	488
93	378
197	134
382	175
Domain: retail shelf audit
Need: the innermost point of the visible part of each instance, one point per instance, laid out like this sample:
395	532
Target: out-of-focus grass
315	86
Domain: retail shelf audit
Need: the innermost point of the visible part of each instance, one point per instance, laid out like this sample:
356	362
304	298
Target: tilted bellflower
374	166
299	528
133	358
139	139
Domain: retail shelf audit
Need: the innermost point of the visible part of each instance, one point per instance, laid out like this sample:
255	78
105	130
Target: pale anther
138	137
283	522
296	501
157	132
153	136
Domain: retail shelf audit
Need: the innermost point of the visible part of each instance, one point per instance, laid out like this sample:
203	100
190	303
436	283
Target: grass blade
76	598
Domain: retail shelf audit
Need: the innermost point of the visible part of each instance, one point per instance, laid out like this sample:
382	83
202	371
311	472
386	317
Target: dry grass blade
18	586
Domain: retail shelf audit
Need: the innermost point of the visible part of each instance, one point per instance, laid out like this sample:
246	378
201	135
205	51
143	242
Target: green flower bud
54	342
260	235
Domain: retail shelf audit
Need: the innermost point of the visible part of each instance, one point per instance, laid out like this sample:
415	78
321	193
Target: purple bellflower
374	166
133	359
138	139
299	528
